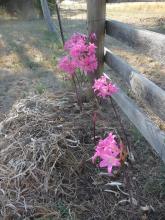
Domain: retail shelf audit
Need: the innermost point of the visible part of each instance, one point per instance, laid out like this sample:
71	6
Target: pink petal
103	163
110	169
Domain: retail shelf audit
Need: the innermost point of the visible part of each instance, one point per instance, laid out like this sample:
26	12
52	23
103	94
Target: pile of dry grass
46	172
40	157
45	166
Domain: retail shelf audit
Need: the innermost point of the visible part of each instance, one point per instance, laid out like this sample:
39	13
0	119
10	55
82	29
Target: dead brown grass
37	166
46	171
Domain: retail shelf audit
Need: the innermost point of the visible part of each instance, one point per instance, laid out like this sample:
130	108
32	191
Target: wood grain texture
150	42
154	136
47	15
142	87
96	24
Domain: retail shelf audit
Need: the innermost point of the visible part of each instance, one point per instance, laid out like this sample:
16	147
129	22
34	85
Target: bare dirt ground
28	60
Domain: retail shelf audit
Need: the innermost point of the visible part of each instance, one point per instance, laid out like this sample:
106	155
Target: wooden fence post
47	15
96	24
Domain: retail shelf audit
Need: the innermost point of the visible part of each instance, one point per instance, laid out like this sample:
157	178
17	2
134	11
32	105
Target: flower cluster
103	87
74	40
108	152
68	65
81	55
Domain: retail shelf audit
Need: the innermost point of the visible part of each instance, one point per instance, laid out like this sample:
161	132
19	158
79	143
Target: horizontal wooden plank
150	42
154	136
142	87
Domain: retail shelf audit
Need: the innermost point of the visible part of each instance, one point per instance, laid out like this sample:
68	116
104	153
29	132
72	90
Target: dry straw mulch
44	144
45	167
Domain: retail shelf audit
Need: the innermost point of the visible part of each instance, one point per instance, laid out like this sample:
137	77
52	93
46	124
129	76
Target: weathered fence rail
141	86
151	42
154	136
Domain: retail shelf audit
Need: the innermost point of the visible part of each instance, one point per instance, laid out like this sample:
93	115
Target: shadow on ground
29	57
28	61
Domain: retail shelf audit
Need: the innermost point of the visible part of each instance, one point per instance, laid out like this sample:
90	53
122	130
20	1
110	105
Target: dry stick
121	124
128	181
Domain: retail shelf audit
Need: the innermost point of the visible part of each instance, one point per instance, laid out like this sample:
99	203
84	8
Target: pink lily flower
109	162
103	87
108	151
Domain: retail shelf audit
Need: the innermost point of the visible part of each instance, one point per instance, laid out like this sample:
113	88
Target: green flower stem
77	94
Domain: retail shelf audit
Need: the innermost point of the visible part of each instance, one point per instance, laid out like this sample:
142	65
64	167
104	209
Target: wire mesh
73	14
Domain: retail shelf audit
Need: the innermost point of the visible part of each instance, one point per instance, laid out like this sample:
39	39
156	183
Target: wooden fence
142	87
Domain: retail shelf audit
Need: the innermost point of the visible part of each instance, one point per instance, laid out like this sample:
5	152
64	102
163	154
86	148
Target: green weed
40	88
64	211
